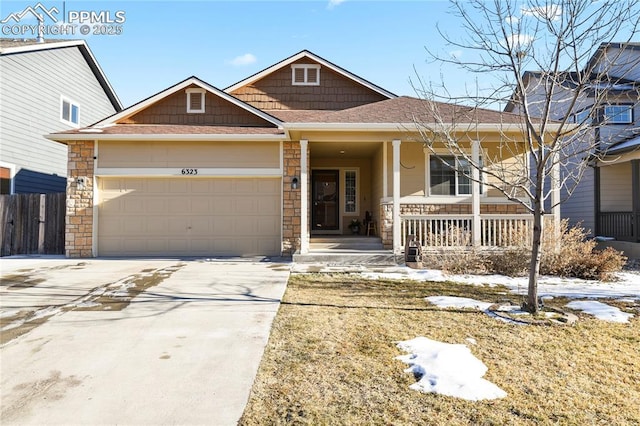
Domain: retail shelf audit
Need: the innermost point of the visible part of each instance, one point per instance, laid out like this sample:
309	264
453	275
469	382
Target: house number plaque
189	171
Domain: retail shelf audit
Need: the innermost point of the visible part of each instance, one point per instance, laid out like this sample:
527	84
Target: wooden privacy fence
32	223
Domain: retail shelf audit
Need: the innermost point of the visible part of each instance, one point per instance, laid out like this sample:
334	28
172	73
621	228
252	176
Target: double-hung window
69	112
448	175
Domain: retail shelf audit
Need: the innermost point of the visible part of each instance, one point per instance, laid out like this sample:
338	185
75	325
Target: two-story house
46	87
606	199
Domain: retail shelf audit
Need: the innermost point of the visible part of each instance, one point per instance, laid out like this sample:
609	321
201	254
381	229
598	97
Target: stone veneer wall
79	217
291	229
386	213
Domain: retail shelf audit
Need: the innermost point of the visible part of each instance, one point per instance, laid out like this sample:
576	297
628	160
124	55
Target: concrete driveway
103	341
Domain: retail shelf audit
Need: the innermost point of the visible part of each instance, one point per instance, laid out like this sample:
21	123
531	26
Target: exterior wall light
294	182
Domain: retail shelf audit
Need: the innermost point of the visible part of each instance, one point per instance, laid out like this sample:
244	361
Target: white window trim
610	122
427	178
71	103
305	67
343	177
12	175
191	92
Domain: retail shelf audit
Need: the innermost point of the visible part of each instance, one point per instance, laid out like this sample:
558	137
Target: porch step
349	257
347	250
350	243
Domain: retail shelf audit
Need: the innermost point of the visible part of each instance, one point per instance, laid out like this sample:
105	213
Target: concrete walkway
133	341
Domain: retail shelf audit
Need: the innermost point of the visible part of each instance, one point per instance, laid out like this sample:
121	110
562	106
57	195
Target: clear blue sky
163	42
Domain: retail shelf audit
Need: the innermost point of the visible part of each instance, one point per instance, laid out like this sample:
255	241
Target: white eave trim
323	62
64	137
41	46
404	127
180	86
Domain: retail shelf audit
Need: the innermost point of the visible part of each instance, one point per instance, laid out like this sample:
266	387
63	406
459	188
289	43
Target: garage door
189	216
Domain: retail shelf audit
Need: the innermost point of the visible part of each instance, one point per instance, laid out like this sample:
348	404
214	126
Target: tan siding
188	154
615	194
173	110
411	169
335	92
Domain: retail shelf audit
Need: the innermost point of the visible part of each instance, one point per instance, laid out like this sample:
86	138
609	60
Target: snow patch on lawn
458	302
627	284
447	369
600	310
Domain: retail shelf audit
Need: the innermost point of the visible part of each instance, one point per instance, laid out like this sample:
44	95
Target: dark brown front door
324	195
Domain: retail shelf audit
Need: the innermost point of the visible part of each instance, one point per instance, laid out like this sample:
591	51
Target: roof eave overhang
68	137
411	127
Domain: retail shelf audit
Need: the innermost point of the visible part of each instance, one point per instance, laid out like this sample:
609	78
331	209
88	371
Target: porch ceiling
343	149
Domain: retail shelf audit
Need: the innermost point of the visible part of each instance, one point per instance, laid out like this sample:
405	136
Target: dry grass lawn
330	360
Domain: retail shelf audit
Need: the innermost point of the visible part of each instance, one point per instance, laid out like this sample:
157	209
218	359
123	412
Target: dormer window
305	75
195	100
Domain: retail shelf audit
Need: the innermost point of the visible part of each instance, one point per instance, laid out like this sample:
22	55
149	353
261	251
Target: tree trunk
531	305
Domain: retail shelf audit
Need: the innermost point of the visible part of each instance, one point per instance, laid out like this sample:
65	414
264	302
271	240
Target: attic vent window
195	100
305	75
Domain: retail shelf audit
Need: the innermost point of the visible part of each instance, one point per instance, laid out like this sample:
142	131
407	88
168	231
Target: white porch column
385	190
475	193
555	198
396	197
304	198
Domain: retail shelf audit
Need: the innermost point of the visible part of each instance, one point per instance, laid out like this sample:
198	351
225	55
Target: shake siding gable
173	110
335	91
32	85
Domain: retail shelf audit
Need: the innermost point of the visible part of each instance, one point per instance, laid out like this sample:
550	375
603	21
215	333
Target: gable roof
134	109
598	81
10	46
307	54
602	49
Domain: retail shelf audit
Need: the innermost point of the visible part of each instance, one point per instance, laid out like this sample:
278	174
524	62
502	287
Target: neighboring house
300	148
46	87
607	198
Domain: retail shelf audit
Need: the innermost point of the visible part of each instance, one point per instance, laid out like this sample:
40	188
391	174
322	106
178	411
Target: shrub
512	262
576	255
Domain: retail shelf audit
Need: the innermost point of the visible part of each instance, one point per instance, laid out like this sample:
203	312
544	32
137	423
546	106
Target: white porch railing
441	231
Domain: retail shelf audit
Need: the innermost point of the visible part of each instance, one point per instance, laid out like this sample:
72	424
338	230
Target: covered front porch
394	189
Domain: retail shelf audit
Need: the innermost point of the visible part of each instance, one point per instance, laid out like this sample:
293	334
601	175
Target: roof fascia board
179	86
66	137
407	126
322	61
41	46
100	75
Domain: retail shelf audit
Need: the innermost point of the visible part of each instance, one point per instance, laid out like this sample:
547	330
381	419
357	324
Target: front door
324	215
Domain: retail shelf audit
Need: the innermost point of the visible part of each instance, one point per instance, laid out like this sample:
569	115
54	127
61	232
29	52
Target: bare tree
504	39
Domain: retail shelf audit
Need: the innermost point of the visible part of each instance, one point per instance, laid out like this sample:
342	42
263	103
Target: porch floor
347	250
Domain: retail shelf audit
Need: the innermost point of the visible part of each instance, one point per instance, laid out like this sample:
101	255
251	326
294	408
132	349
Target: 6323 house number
189	171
